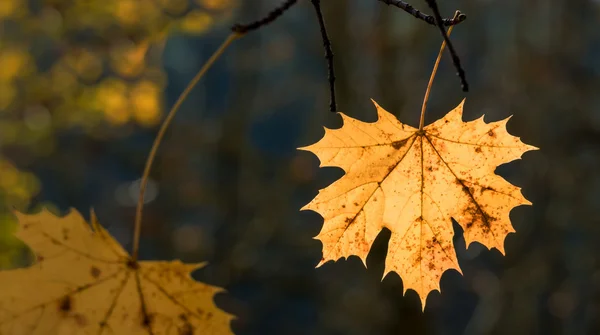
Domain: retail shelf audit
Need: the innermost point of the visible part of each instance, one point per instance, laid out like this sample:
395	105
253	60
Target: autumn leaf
413	182
84	282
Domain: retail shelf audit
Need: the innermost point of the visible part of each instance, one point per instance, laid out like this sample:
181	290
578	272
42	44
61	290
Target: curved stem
161	134
433	72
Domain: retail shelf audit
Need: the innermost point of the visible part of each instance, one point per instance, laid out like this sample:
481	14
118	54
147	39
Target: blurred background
84	85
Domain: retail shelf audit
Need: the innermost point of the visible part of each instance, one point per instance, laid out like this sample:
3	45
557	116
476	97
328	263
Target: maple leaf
414	182
84	282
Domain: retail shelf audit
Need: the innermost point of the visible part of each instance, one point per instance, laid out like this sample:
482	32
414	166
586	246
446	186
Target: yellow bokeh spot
14	62
62	81
128	59
215	4
196	22
174	6
146	103
19	194
18	187
84	63
127	11
111	98
9	177
8	92
11	8
30	183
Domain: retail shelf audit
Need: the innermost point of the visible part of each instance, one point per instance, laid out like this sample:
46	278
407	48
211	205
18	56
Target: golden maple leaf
414	182
85	283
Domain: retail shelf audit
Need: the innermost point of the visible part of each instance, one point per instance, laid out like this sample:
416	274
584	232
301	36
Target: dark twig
272	16
438	20
420	15
328	54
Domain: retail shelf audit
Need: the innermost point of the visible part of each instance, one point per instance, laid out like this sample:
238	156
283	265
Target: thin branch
420	15
328	54
438	20
272	16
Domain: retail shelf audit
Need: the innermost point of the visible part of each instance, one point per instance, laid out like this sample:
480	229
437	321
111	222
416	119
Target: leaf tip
321	262
531	147
501	249
306	208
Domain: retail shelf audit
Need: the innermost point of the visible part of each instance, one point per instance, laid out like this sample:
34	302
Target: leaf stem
433	72
161	134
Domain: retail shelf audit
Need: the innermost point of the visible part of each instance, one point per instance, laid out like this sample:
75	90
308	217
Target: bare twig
328	54
420	15
439	23
436	20
272	16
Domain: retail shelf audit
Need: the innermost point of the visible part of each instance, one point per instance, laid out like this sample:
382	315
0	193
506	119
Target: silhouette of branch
420	15
328	54
436	20
272	16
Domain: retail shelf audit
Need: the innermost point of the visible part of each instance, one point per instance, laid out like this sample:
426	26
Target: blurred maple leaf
414	182
85	283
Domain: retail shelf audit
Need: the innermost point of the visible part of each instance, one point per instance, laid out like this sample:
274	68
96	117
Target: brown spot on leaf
491	134
478	218
417	261
469	191
356	204
399	144
65	234
487	188
80	320
146	320
95	272
186	328
478	150
429	245
65	305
